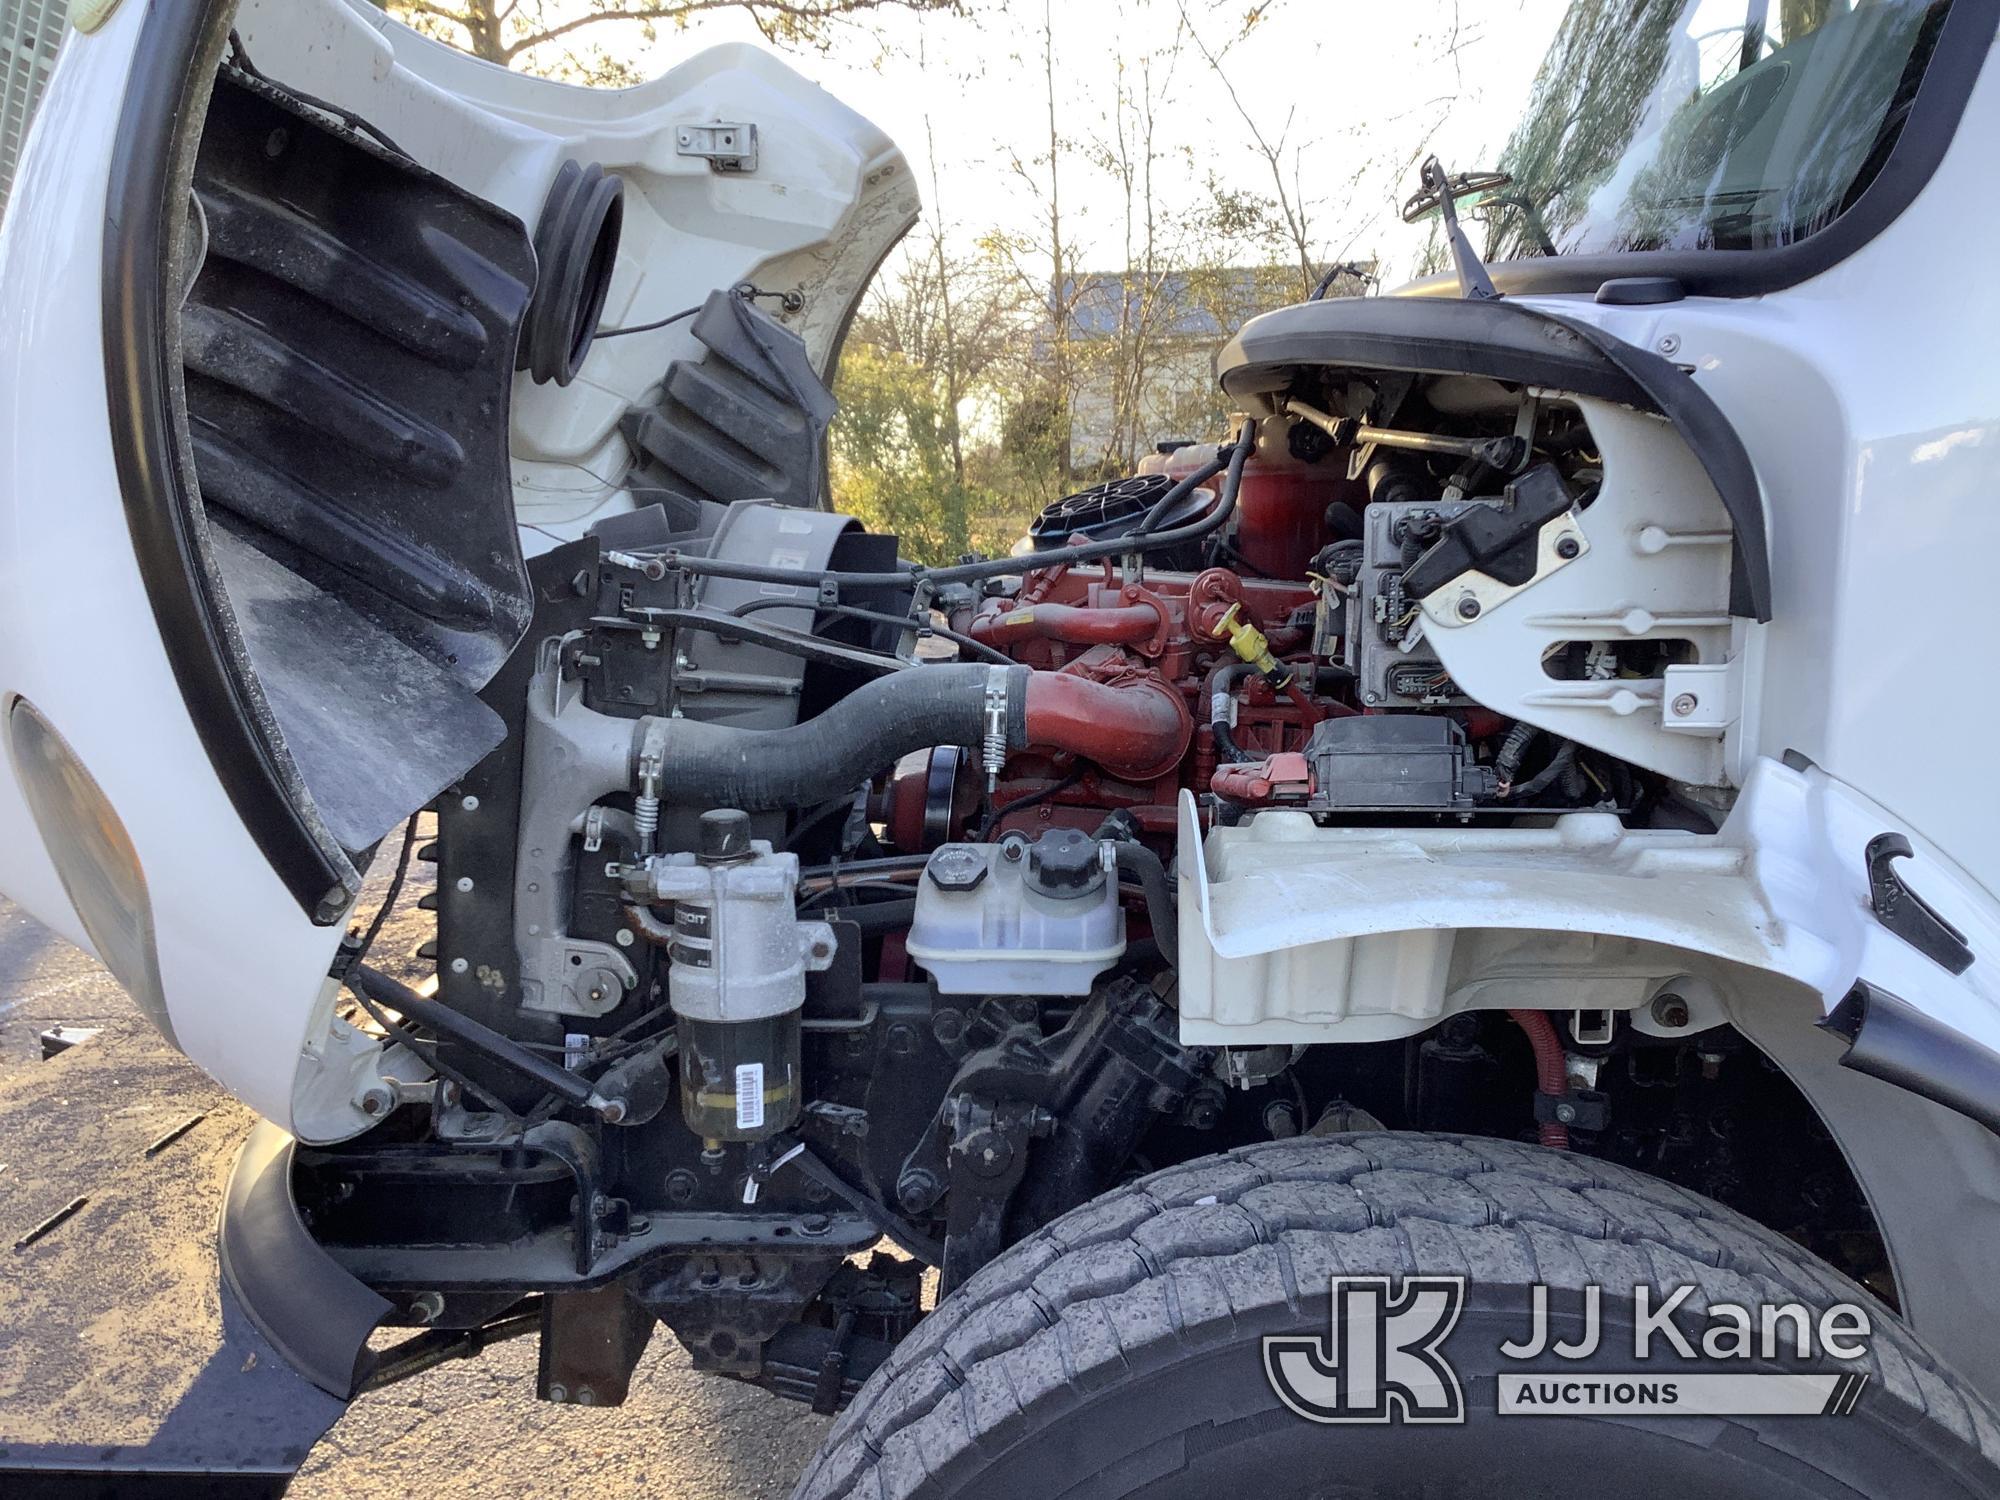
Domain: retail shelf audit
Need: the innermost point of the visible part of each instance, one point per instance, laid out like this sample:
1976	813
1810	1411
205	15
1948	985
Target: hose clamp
993	748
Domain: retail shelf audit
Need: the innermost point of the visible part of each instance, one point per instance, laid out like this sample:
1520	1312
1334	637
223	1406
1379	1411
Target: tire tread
1176	1261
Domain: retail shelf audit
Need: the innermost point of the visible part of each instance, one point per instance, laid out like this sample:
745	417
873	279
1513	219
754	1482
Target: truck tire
1118	1351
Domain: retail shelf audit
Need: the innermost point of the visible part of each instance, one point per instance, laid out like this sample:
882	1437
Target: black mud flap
133	1362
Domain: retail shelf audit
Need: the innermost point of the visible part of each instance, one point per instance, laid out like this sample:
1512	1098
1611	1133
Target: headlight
94	856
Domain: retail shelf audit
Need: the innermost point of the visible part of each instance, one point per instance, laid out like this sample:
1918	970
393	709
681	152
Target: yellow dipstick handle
1248	642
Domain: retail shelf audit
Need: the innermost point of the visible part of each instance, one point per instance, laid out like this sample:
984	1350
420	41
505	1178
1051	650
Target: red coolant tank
1281	509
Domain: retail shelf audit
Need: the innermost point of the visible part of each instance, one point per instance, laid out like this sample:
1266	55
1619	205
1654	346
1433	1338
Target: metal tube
1346	430
440	1017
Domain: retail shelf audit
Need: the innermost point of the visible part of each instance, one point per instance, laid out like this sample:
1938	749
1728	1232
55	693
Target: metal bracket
1593	1028
1702	698
1907	914
987	1158
727	146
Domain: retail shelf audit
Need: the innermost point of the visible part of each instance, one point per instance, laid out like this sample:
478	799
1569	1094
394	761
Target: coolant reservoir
1019	918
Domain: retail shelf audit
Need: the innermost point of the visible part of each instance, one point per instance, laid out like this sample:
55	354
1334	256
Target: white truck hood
150	807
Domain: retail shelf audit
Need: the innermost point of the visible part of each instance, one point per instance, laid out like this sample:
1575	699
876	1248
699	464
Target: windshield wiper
1435	195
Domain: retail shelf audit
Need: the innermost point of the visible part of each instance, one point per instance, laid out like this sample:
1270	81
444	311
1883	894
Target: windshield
1706	124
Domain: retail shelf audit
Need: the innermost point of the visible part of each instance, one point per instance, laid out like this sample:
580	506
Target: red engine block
1087	621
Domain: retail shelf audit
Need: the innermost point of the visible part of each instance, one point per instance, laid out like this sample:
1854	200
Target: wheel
1119	1351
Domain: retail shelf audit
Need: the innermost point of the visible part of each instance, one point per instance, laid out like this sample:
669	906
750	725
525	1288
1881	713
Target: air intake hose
1126	728
715	765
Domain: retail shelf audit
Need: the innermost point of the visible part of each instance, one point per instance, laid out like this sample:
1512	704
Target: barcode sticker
750	1096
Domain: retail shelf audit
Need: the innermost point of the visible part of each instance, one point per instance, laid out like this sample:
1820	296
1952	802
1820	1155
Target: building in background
1142	349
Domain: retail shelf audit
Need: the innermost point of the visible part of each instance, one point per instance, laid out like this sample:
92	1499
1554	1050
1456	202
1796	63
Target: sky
1354	90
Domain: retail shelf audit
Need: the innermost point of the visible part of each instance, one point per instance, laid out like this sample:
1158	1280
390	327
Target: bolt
902	1039
1670	343
815	1224
585	1396
681	1185
376	1101
1567	547
916	1190
1372	696
1670	1011
1685	704
623	937
464	882
948	1026
1566	1114
469	804
1468	608
559	1393
459	966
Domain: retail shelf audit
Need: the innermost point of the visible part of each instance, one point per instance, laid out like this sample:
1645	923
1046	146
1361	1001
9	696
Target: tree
507	32
934	338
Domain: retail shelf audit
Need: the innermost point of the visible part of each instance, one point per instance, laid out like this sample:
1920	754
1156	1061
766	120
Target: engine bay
812	924
818	921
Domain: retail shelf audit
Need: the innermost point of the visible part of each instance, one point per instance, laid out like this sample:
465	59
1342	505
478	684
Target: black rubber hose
1144	866
374	985
1217	516
1179	491
875	917
1222	679
714	765
1564	758
1507	764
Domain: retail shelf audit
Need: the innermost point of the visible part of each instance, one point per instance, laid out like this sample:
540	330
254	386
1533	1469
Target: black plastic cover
1501	541
746	421
1393	762
347	345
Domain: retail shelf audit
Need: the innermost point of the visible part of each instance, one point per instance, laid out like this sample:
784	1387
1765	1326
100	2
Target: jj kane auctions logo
1383	1358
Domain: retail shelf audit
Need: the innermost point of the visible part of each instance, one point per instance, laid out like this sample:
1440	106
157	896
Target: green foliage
893	464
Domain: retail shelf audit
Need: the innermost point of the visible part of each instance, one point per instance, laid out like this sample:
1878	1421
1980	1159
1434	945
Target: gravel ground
472	1427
